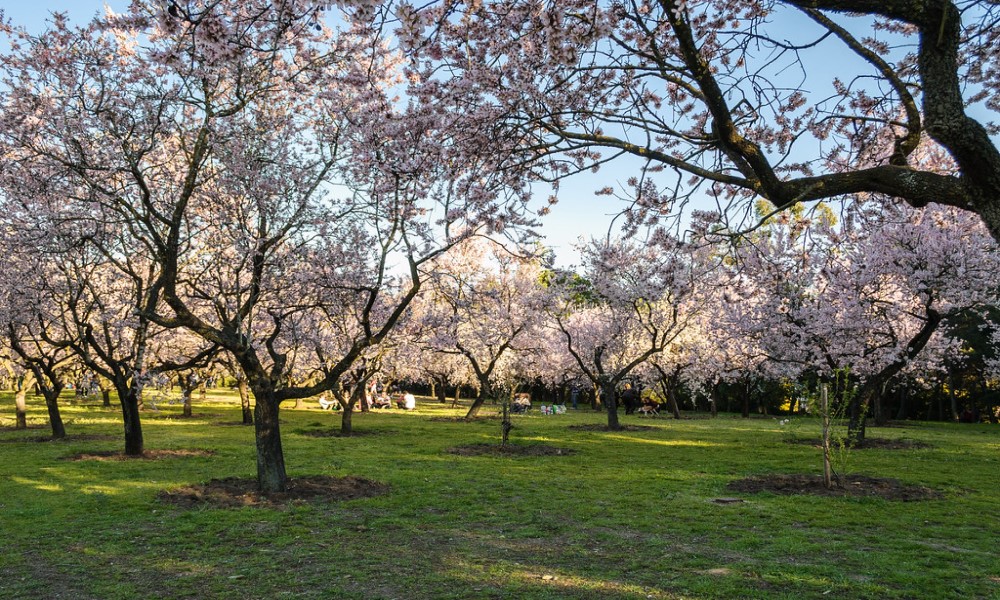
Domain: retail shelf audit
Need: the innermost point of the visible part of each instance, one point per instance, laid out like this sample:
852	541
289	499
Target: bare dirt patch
870	444
858	486
235	492
605	428
232	424
86	437
509	450
147	455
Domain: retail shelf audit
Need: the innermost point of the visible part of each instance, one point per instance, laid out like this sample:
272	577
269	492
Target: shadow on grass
113	455
86	437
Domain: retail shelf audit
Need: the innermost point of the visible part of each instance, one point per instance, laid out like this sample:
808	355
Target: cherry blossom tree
736	100
264	166
28	321
486	302
864	299
642	299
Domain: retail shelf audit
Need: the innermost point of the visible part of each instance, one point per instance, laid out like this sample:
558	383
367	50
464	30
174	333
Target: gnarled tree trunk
52	405
271	474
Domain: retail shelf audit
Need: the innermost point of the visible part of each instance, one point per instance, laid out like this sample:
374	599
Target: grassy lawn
625	515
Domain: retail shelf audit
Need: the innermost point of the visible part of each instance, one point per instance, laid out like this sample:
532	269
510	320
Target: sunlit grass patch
627	515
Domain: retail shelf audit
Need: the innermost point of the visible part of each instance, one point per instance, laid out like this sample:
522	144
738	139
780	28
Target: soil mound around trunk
855	486
509	450
235	492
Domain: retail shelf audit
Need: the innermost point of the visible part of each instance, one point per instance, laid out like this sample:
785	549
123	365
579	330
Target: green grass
628	515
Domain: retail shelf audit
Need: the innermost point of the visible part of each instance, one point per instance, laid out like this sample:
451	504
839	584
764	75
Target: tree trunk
186	395
346	427
106	398
458	395
55	418
745	400
271	475
904	409
857	413
441	393
485	392
672	398
611	404
595	397
714	400
129	400
825	410
20	408
952	397
505	424
241	385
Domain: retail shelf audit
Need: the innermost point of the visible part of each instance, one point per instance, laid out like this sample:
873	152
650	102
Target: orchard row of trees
298	192
893	299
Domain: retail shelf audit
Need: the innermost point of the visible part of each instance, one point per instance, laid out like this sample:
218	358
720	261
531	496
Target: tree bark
485	392
20	408
129	400
271	475
241	386
505	424
952	397
904	409
825	411
611	404
55	418
346	426
745	399
714	400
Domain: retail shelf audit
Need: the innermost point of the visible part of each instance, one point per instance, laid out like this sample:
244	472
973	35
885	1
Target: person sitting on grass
328	404
407	401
